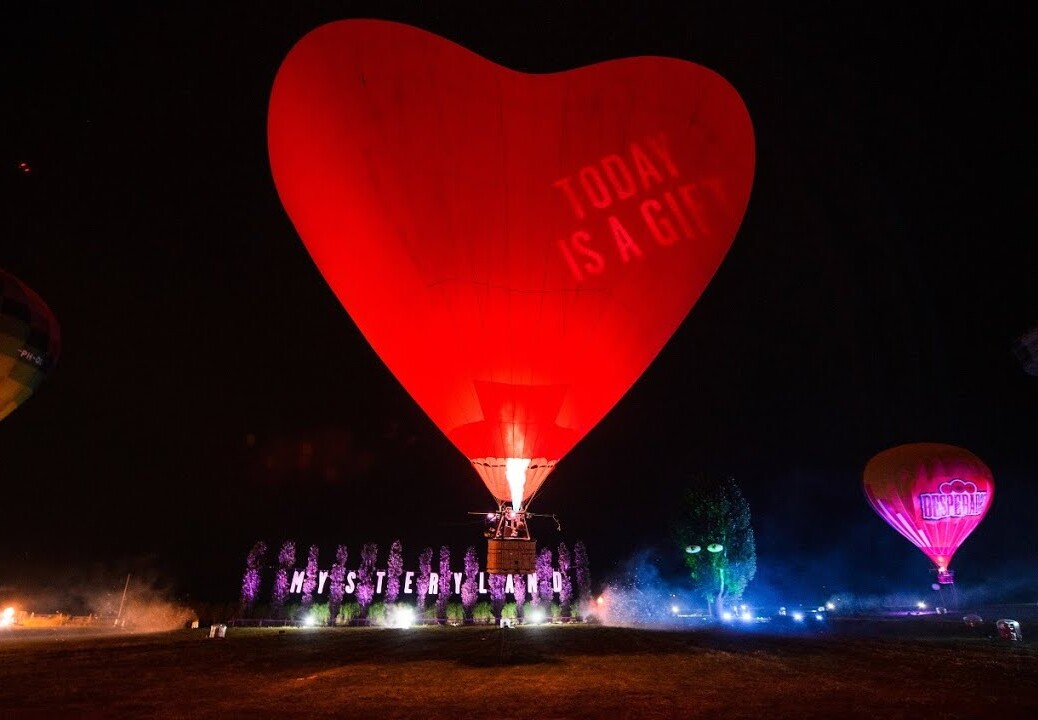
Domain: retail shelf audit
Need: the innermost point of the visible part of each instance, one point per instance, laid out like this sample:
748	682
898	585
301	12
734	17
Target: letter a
624	242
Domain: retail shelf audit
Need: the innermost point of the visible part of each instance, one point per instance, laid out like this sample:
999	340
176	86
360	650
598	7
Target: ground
909	668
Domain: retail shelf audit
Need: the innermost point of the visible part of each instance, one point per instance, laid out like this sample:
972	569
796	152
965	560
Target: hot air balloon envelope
517	248
933	494
30	342
1026	349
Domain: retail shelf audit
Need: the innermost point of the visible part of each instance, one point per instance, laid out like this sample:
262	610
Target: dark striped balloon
30	341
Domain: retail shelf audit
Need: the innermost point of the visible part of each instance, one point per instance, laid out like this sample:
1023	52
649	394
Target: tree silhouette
713	533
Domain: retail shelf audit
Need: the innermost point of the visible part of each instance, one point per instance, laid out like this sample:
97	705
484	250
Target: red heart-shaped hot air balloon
933	494
517	248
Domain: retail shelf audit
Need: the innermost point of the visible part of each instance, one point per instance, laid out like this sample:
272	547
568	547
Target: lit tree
714	535
469	588
583	573
394	569
497	594
544	578
566	590
519	582
286	559
366	578
310	580
424	569
250	582
337	584
443	592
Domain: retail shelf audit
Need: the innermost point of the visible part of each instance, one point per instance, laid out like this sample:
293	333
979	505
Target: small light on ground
403	617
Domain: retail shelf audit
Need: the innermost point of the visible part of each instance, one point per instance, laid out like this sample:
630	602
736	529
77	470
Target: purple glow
497	594
566	593
337	587
444	589
424	568
251	580
519	582
310	580
544	576
286	559
366	578
469	589
394	569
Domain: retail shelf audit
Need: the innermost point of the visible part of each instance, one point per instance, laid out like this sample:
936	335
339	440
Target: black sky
886	263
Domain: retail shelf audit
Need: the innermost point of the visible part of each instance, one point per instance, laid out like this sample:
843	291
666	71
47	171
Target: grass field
907	669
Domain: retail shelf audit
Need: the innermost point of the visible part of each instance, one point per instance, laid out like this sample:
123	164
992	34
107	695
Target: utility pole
122	602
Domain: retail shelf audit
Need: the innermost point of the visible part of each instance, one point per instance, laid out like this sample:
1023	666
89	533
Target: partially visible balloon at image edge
30	342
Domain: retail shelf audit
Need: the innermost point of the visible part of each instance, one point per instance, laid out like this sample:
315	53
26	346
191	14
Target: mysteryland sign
409	583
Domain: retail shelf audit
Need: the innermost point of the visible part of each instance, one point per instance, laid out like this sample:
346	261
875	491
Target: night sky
212	391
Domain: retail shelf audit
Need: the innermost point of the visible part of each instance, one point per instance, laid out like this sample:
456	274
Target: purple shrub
366	578
286	559
469	588
566	593
519	581
394	569
544	578
424	569
250	582
310	579
497	595
443	591
583	573
337	584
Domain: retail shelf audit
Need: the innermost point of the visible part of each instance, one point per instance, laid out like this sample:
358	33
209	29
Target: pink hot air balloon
933	494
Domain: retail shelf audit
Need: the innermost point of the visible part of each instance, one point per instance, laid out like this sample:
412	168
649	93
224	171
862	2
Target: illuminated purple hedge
566	592
497	594
469	588
519	583
544	577
394	569
582	571
337	584
424	568
366	578
310	579
250	582
286	559
443	591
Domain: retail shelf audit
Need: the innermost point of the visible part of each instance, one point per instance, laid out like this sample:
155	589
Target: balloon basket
510	556
947	577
